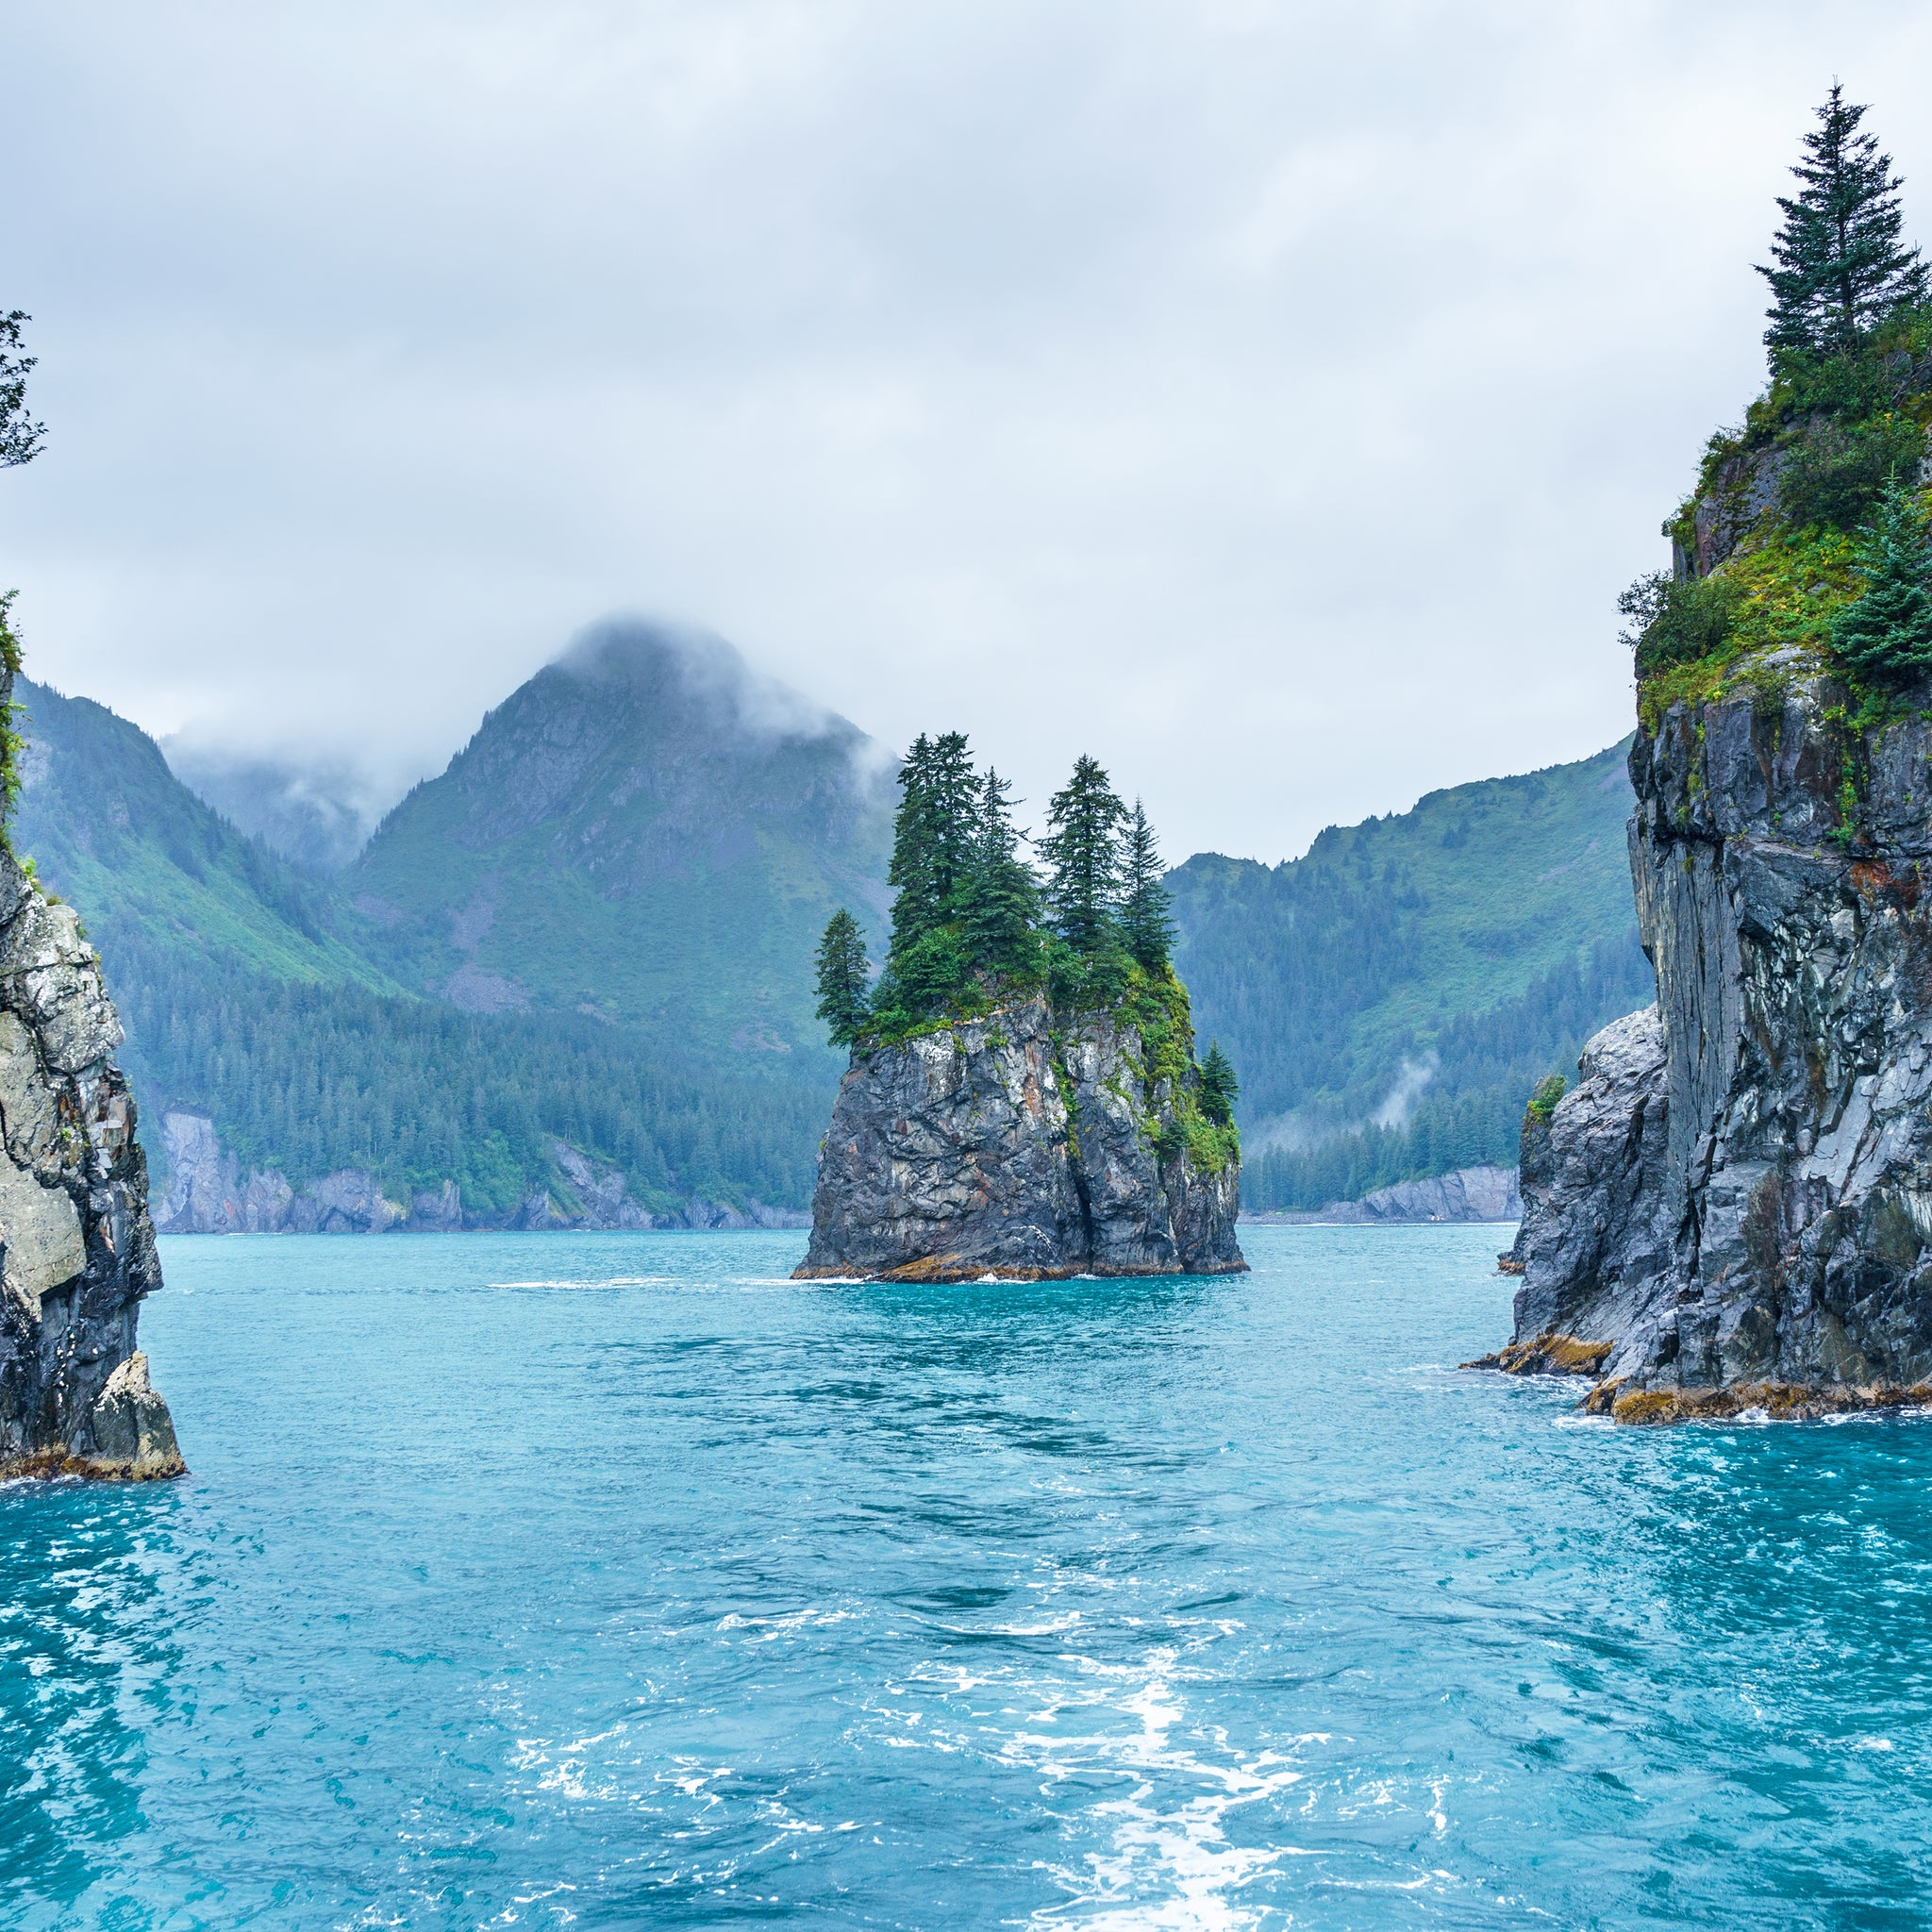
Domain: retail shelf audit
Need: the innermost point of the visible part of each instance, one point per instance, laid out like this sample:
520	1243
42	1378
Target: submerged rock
1023	1144
1734	1204
77	1247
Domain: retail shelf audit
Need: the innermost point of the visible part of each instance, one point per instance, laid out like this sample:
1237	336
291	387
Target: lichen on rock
1022	1144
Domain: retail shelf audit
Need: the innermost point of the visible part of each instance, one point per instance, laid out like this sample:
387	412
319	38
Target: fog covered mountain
589	939
317	817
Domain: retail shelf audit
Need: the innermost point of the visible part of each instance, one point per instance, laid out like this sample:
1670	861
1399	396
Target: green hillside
645	832
598	925
1452	953
248	993
151	867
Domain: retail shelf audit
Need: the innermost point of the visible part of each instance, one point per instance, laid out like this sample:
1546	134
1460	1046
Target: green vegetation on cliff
973	926
1798	535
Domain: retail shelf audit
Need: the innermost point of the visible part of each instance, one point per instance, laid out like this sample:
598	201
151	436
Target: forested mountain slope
152	869
249	994
596	928
647	832
1391	998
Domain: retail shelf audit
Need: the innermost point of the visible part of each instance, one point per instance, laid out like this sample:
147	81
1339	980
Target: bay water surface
618	1580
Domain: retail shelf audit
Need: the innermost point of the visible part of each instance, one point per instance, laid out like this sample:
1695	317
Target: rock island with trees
1024	1097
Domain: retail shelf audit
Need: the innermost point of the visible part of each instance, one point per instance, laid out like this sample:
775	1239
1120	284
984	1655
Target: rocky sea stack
1732	1210
76	1248
1020	1145
1022	1098
1733	1207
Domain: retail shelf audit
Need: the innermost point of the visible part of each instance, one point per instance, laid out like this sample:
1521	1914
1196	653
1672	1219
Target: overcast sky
1270	399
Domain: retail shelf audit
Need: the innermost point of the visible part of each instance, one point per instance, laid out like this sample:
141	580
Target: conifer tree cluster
973	920
1807	524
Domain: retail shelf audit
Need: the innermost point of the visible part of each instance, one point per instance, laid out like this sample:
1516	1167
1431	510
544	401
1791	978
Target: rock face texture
207	1193
1469	1193
1022	1144
1735	1205
76	1249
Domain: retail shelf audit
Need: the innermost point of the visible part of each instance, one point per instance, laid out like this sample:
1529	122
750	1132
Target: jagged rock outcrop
207	1193
76	1248
1023	1145
1735	1211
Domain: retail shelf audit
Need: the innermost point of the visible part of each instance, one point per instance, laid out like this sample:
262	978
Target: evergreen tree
1220	1090
1082	847
844	979
19	436
1840	267
1886	631
1145	902
1000	904
933	837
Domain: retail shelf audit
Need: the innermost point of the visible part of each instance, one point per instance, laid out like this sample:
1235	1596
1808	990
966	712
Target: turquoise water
616	1580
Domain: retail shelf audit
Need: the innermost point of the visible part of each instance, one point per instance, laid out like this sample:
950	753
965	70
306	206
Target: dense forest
1427	969
248	993
1482	1068
311	1078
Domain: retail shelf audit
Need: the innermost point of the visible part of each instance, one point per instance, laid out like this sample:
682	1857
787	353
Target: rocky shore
1023	1145
1466	1193
208	1192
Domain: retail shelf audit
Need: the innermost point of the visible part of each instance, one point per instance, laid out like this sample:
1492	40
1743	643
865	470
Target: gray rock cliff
1023	1145
76	1248
1735	1206
207	1193
1465	1193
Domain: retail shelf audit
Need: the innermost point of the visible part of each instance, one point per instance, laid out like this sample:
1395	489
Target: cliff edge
1025	1144
76	1248
1733	1207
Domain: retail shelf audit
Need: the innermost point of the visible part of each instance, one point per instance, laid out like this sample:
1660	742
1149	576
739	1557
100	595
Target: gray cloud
1270	399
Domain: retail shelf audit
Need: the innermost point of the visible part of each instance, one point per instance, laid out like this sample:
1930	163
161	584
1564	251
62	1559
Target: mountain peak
696	674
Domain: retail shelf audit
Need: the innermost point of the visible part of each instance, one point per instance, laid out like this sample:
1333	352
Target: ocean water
619	1581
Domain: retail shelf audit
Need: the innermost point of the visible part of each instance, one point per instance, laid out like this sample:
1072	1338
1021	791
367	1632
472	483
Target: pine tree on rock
844	979
1146	904
1886	632
932	837
932	861
1000	907
1082	848
1841	265
1220	1090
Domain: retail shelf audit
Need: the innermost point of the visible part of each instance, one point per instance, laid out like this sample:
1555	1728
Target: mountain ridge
525	933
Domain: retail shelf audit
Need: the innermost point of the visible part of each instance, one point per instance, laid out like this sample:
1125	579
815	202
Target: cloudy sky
1270	398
